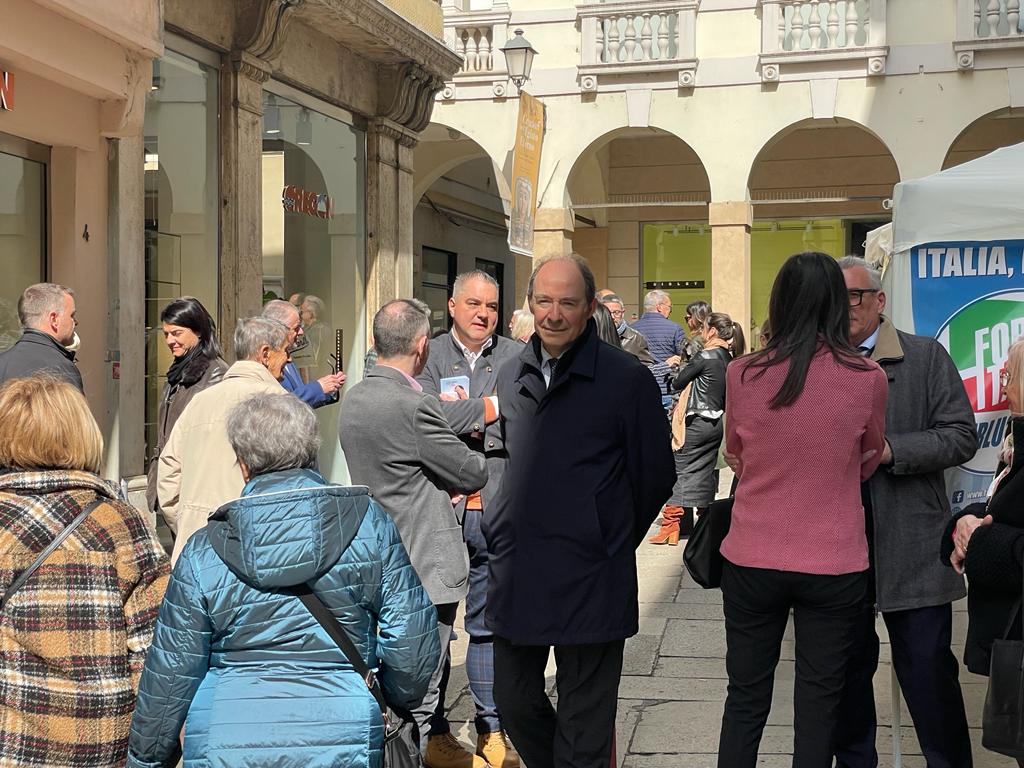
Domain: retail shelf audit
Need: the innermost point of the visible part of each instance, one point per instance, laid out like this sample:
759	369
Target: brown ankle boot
669	533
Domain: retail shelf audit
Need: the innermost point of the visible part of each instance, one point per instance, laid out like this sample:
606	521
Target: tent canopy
979	200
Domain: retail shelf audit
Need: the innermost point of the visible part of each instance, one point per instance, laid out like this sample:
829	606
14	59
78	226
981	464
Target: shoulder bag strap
25	575
337	633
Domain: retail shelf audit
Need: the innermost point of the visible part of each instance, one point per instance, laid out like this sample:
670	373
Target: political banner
525	174
970	296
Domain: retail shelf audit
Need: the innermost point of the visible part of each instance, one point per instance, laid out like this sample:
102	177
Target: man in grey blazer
473	354
399	444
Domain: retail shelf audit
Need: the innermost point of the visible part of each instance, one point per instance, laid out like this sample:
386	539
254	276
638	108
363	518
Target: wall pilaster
730	259
241	287
389	207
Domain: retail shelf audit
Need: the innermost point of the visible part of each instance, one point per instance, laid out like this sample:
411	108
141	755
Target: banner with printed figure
970	296
525	174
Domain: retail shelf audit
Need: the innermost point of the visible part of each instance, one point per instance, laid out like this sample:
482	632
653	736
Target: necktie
865	351
552	365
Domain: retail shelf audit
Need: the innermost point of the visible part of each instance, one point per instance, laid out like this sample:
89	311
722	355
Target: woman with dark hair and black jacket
189	333
703	404
805	425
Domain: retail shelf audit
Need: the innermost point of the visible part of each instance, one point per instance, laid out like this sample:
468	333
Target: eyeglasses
617	312
1004	378
857	295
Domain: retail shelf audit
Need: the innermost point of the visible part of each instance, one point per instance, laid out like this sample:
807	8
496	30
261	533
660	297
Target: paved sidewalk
673	683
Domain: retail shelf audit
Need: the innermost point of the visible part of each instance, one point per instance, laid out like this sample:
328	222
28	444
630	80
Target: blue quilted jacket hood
242	664
286	528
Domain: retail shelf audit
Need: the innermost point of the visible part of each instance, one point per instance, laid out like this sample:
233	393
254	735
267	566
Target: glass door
23	227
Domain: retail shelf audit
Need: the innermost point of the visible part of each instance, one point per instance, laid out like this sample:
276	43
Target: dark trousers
480	654
757	604
929	677
580	733
429	715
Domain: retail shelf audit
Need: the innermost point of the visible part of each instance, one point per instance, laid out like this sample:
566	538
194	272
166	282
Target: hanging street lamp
519	59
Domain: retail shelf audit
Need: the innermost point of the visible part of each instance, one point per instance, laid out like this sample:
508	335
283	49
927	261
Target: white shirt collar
872	340
470	355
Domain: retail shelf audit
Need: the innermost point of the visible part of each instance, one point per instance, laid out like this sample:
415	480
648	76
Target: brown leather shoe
496	750
445	751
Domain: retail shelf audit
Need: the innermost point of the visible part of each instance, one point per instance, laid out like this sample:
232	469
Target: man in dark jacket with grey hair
587	472
47	315
930	427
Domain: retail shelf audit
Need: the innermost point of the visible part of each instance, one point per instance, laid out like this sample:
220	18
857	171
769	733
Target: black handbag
1002	723
401	737
702	556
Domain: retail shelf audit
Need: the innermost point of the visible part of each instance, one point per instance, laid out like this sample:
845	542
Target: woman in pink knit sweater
805	420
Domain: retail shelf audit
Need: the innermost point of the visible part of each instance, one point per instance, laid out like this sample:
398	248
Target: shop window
181	211
22	228
677	259
314	244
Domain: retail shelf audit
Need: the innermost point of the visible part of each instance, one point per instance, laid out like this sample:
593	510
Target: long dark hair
189	312
728	331
809	306
606	330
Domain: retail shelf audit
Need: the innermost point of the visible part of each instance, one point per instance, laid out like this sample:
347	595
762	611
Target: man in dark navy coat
589	466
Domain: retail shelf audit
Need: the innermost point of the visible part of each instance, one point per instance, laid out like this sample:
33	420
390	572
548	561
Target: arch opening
1001	128
640	200
460	222
817	185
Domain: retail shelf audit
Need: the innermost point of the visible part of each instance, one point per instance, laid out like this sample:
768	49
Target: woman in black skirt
696	460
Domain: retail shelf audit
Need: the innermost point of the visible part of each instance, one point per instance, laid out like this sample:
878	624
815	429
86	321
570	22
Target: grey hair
273	432
280	310
476	274
421	305
613	298
653	299
852	262
315	304
39	300
252	333
589	283
396	327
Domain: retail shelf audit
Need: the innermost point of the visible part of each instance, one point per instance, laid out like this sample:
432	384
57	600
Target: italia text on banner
526	173
970	296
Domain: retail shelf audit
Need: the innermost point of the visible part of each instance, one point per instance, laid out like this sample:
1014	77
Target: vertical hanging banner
525	173
970	296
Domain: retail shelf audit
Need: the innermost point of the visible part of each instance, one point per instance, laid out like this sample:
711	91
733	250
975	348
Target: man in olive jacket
930	427
587	473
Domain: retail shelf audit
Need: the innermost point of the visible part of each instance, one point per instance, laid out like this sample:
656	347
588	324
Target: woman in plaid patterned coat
73	639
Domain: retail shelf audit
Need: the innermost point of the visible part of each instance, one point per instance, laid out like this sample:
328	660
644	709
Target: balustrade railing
794	31
997	18
637	35
476	46
986	25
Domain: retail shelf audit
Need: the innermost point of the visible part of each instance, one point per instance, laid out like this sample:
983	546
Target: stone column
241	190
389	213
552	236
730	260
126	314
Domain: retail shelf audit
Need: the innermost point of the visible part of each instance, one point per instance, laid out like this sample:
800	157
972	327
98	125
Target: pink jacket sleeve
874	434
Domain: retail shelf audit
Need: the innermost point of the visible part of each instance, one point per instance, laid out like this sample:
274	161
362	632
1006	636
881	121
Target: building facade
695	144
233	151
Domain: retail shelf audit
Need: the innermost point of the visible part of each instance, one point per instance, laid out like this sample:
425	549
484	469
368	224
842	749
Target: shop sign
298	200
6	90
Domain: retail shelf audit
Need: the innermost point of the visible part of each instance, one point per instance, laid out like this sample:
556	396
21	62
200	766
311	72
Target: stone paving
674	682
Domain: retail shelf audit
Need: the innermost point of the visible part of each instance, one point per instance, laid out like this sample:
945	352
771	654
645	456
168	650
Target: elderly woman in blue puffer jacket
239	661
